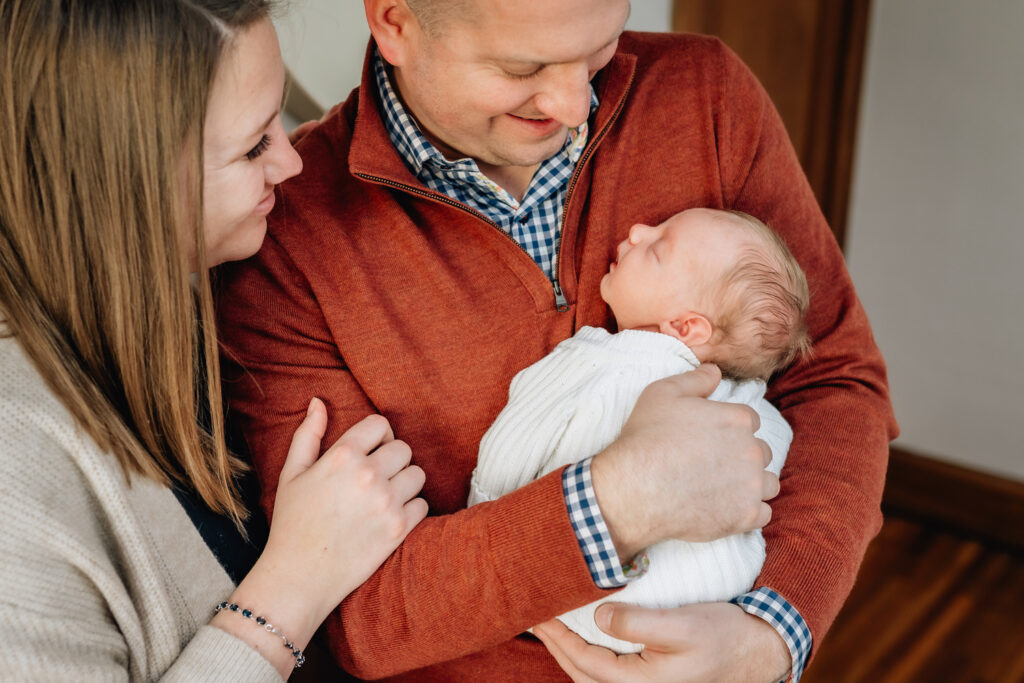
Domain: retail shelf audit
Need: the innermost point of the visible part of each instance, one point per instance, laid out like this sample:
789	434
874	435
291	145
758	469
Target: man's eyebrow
533	62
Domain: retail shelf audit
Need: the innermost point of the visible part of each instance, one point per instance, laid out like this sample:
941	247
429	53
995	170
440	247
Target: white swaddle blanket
570	405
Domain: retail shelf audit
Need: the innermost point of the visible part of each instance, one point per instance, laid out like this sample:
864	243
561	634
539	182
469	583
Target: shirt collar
419	153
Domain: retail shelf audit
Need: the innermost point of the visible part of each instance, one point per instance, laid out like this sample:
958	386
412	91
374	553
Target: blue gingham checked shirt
535	223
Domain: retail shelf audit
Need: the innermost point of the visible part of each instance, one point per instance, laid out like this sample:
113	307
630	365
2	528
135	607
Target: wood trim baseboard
958	498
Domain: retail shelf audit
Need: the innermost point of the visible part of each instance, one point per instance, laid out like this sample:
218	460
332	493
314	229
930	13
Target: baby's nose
636	233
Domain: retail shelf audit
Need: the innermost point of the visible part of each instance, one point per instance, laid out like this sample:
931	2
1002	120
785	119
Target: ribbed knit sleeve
99	581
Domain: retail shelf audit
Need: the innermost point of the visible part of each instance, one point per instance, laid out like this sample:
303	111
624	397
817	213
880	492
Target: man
456	216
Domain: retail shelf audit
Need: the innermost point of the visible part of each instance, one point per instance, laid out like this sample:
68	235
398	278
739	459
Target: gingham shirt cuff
592	532
783	617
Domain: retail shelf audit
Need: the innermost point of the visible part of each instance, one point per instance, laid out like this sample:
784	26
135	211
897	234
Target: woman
141	142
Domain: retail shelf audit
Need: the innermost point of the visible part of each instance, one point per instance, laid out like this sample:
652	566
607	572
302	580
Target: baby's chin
604	285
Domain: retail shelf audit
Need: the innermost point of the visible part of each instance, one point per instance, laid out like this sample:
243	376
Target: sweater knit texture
573	403
100	581
380	295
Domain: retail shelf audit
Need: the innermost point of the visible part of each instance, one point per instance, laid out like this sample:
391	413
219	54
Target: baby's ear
692	329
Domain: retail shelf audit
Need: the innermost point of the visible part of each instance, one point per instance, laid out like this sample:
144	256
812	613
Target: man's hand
684	467
708	642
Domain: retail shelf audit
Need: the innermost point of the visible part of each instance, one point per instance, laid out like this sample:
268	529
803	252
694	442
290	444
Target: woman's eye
259	149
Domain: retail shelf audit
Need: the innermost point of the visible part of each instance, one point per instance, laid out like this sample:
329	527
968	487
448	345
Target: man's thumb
654	628
701	382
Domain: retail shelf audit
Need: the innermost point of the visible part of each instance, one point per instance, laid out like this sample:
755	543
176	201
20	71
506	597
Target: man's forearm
466	581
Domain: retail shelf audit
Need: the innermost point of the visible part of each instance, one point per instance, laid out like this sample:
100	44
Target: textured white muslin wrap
570	405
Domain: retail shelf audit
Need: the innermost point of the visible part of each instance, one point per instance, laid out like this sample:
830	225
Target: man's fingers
701	382
766	451
305	446
567	665
657	629
764	516
583	662
771	486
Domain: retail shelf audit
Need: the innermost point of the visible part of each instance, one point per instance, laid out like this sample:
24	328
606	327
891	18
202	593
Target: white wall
323	41
936	232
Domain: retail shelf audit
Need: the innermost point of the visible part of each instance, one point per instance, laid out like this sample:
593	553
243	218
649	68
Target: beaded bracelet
300	658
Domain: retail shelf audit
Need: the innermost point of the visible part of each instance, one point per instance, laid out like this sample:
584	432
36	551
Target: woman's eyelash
259	149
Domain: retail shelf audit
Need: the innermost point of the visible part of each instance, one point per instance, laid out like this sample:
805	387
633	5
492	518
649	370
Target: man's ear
692	329
392	24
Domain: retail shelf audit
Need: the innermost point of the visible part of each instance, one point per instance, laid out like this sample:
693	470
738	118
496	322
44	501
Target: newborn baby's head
719	281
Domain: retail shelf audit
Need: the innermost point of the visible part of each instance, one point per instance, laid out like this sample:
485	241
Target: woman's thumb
305	446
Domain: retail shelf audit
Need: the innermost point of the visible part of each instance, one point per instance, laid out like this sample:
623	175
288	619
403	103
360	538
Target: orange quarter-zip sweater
379	295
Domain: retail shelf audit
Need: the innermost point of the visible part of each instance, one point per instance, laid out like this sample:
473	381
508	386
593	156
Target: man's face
504	85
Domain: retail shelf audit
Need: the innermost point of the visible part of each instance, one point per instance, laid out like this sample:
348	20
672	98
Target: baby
704	286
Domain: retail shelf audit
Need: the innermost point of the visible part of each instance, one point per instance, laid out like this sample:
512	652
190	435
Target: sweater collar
373	154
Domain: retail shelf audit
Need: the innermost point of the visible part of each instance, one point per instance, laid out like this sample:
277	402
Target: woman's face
246	150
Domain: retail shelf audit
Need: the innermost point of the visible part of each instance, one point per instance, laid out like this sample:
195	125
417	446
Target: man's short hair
435	15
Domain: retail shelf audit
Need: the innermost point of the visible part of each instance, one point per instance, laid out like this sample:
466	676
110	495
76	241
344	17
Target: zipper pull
561	305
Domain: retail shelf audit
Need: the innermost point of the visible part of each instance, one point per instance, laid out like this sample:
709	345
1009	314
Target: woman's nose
284	162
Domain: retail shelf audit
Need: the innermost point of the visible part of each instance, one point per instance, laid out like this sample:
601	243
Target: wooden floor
928	607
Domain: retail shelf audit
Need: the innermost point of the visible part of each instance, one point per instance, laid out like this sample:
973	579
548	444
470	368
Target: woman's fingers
391	458
415	512
305	446
407	483
365	435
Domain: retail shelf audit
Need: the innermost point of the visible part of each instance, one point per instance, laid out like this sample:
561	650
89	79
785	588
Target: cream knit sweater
570	405
99	581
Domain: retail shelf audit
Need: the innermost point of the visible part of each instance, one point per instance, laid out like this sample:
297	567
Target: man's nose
566	94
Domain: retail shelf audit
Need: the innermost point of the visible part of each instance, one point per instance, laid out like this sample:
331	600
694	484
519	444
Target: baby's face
663	271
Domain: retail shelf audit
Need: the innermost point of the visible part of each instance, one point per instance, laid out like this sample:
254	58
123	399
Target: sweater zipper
561	304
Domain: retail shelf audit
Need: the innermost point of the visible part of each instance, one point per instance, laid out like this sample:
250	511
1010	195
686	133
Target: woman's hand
707	642
336	519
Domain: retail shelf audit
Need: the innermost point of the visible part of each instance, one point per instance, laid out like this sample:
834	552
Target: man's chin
529	155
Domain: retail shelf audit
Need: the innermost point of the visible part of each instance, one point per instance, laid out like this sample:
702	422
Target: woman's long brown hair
102	104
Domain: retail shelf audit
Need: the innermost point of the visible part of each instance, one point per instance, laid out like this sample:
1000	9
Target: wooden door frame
829	123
